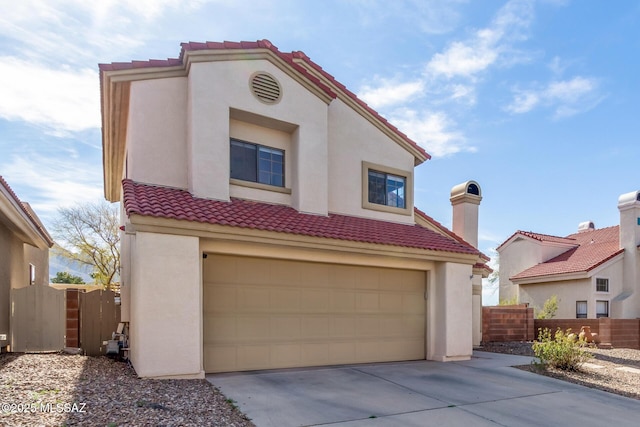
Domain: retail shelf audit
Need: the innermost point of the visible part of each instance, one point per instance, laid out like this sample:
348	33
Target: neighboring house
269	222
594	272
24	257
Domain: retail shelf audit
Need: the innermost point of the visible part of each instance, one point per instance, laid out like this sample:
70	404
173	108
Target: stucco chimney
586	226
629	207
465	200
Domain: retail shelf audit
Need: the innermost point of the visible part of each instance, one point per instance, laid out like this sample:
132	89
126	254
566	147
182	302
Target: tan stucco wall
157	132
215	88
40	259
166	306
352	139
629	240
519	255
450	313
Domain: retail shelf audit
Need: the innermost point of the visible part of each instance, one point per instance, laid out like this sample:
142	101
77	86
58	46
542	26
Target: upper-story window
602	285
257	163
387	189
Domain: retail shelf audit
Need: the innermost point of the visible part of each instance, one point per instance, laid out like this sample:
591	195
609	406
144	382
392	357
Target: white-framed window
602	285
581	309
602	308
32	274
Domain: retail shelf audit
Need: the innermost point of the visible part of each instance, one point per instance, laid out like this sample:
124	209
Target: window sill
385	208
259	186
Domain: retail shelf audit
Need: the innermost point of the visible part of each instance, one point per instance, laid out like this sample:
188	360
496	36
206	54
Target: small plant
511	301
232	403
561	350
549	308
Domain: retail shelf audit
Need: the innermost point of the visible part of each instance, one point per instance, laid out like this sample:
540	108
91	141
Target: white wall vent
266	88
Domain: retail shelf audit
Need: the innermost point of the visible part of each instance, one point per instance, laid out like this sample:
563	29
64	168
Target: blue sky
538	101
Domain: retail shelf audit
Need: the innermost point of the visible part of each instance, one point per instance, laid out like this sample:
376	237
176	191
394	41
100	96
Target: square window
387	189
581	309
256	163
602	285
602	308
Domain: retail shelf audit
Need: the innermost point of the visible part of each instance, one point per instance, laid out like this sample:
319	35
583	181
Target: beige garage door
264	313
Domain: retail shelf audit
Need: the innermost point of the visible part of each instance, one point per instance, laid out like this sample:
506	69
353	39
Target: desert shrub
562	350
549	308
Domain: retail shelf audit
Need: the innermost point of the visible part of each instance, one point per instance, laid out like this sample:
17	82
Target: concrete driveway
484	391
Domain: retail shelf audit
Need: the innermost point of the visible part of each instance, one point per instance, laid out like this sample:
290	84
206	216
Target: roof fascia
517	235
19	222
191	228
538	280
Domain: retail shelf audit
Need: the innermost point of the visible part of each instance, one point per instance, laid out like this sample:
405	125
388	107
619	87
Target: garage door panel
314	301
284	300
343	327
315	327
342	301
221	297
253	327
367	302
293	313
252	298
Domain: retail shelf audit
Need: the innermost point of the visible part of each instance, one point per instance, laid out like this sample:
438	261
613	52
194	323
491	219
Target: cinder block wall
621	333
507	323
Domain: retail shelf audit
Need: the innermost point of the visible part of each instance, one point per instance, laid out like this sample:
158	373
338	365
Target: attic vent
266	88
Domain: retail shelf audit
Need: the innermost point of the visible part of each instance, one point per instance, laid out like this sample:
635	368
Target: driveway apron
484	391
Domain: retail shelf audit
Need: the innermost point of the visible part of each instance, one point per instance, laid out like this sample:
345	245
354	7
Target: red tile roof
594	247
172	203
540	237
289	58
26	212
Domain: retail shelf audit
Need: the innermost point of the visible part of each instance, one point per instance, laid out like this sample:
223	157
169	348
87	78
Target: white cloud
391	92
432	130
54	182
59	99
565	97
487	46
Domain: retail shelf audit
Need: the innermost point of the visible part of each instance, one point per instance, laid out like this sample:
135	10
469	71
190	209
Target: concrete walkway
484	391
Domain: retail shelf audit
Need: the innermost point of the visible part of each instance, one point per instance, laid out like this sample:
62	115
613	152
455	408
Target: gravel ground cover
70	390
615	370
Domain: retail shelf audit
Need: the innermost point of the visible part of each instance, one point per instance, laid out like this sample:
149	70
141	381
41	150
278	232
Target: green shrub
563	350
549	308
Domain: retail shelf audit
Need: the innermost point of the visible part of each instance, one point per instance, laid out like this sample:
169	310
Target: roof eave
184	227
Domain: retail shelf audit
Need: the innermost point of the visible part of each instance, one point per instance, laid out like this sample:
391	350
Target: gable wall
352	140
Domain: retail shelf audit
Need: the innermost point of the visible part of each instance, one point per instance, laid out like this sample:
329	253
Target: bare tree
88	234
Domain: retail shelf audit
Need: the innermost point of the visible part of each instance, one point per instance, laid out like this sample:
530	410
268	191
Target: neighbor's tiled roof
25	211
540	237
172	203
595	247
289	58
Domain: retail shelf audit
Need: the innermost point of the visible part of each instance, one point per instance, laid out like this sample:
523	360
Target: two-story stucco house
24	260
594	272
268	220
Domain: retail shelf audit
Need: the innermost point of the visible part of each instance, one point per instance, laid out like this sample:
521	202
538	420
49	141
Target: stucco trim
258	186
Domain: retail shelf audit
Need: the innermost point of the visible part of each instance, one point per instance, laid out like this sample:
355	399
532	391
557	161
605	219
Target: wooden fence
37	319
92	317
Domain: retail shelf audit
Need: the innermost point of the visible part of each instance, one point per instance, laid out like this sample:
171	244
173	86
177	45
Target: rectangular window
387	189
581	309
602	308
32	274
602	285
256	163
